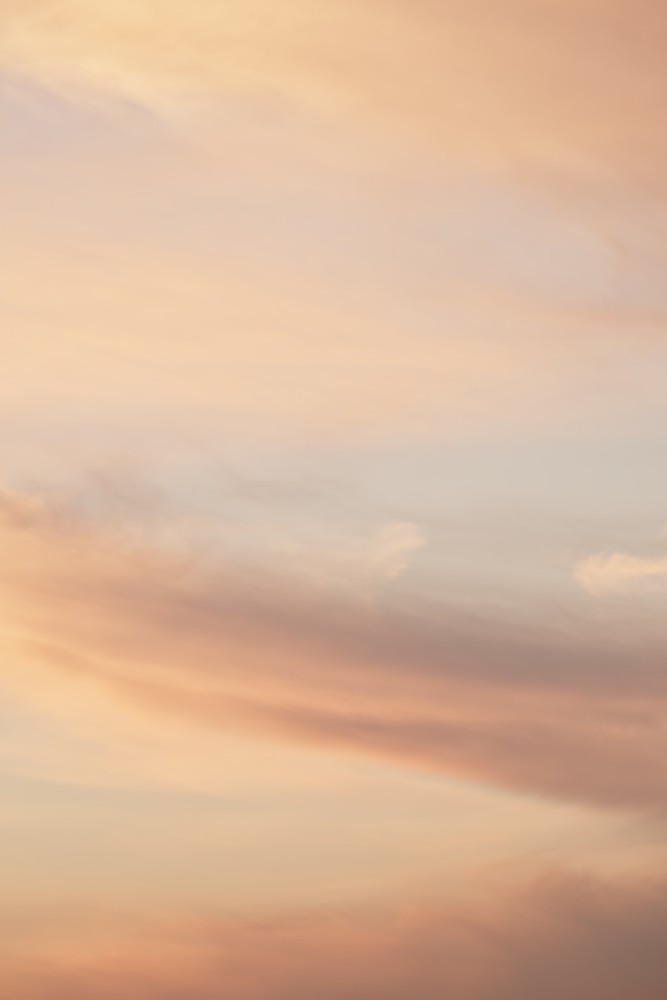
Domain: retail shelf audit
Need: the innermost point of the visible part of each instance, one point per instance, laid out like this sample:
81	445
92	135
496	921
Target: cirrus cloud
254	647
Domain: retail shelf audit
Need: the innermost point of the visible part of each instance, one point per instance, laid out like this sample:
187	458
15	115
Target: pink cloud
564	715
567	935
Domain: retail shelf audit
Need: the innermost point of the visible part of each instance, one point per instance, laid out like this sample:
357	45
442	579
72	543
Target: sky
333	507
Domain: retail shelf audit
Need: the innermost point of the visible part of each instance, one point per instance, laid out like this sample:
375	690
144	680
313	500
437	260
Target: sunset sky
333	500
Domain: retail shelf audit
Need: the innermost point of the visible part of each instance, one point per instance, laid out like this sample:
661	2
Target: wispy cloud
413	248
569	84
258	649
566	935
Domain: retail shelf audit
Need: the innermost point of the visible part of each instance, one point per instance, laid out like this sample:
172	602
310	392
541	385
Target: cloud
619	572
253	646
392	547
574	84
361	564
289	230
306	360
566	935
284	292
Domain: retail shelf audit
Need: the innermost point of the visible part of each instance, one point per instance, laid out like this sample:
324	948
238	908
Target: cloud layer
569	83
265	648
333	352
566	936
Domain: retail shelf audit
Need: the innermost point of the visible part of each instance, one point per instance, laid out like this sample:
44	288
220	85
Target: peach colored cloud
253	647
261	354
618	572
578	84
287	361
567	935
327	297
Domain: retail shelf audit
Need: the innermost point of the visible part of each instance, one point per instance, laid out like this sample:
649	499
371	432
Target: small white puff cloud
617	572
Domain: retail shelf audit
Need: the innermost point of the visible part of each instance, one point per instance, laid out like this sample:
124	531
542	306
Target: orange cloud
616	572
572	83
254	648
277	357
566	935
263	224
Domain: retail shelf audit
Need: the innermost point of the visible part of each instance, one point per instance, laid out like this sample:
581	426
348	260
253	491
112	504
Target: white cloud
616	572
360	564
390	549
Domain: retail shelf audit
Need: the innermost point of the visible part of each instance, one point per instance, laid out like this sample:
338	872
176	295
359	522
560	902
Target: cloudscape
333	511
